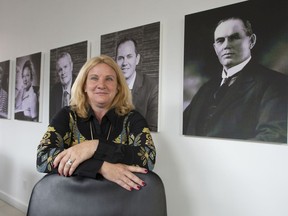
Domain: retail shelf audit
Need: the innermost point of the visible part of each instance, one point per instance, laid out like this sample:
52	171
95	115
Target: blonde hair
79	100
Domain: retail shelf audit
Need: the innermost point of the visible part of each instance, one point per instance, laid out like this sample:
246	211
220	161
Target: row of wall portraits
137	52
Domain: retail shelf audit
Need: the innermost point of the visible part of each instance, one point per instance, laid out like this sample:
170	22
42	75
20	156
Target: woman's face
27	79
101	86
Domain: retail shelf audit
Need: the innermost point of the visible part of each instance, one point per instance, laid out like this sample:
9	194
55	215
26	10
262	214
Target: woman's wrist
101	170
95	144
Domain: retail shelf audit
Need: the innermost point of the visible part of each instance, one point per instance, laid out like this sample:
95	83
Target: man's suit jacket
145	99
55	99
56	94
255	107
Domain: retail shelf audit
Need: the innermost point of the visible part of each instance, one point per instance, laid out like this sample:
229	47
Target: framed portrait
65	64
249	46
136	51
4	89
27	87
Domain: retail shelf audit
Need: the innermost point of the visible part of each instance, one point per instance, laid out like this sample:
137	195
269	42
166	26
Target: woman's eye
94	78
109	78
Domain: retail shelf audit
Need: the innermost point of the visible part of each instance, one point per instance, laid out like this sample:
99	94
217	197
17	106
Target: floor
8	210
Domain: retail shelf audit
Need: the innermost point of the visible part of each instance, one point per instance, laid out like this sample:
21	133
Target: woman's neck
99	112
28	88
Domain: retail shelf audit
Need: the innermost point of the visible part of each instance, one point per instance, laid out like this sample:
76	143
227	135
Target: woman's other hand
69	159
123	175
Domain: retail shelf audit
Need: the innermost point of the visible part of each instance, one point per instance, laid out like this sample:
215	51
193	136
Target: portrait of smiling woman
27	87
99	133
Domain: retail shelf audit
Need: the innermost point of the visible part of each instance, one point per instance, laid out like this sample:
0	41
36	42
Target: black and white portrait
235	72
136	51
65	64
4	88
27	87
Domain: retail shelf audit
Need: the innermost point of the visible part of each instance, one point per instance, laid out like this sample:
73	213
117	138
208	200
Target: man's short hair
125	39
64	54
247	24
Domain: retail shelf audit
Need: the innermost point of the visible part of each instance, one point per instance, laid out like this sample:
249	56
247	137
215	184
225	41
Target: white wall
202	176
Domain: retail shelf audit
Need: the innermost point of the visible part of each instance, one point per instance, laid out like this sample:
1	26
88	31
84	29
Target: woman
114	139
26	102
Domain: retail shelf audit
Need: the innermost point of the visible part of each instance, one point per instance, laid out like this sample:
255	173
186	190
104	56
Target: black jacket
255	107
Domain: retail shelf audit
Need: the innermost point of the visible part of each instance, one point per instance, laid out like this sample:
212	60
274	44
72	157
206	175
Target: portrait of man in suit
142	81
245	100
61	90
65	63
144	89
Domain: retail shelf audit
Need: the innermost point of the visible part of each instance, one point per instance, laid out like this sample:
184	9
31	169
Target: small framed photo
27	87
65	64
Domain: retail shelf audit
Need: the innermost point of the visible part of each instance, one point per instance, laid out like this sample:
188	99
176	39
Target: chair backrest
78	196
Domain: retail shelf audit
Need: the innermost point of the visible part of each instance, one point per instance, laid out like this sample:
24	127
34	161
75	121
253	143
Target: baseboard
13	202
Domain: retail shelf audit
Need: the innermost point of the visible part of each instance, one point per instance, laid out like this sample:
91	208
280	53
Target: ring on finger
69	162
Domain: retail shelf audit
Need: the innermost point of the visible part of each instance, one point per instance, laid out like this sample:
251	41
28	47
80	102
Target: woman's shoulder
4	93
131	116
62	115
135	116
134	113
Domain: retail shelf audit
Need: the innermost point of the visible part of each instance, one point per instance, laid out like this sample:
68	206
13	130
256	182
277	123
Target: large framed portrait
65	64
27	87
247	44
4	89
136	51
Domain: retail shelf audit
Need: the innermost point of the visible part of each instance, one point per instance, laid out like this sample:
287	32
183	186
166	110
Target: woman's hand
123	175
69	159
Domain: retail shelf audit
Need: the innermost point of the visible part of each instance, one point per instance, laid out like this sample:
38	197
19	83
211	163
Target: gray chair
78	196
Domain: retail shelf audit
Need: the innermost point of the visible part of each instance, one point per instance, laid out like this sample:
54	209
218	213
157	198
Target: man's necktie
220	92
65	98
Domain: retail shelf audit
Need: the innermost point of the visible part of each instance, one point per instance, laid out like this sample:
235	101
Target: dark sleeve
58	135
134	146
272	125
89	168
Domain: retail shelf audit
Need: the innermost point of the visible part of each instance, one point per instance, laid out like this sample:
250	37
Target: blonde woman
99	133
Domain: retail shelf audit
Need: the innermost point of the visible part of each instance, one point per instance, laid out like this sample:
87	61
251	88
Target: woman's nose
101	83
